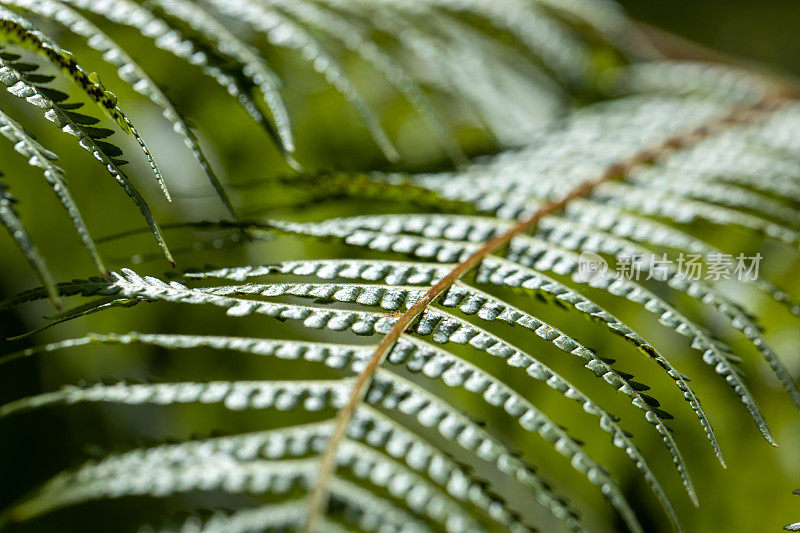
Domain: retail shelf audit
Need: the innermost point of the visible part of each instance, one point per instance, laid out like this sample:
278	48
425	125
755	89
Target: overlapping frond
394	287
129	71
38	156
23	81
19	31
197	34
393	349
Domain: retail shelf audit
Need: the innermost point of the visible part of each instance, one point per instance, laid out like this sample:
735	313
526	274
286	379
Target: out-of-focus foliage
300	117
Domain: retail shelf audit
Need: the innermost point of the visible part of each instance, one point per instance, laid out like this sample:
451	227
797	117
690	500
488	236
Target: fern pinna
436	301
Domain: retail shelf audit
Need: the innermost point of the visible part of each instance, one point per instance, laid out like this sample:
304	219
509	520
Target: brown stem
318	498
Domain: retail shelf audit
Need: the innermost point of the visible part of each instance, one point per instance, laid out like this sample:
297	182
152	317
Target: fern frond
284	32
504	198
796	525
15	228
560	50
393	392
19	31
506	107
277	517
615	232
720	193
222	472
244	453
22	81
358	509
171	40
467	300
312	395
711	147
130	72
606	17
474	259
435	323
364	323
351	37
253	66
570	236
455	372
376	512
145	465
684	211
445	327
87	287
499	271
371	427
38	156
544	257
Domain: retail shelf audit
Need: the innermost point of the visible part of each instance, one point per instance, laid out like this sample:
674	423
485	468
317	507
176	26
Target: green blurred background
752	495
761	31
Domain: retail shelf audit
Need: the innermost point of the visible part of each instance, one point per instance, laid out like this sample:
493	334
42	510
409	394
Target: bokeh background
752	495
